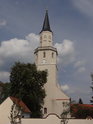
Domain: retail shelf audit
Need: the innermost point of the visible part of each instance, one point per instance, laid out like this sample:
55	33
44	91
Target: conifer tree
92	89
80	101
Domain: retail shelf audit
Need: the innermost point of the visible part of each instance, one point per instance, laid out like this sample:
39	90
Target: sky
72	24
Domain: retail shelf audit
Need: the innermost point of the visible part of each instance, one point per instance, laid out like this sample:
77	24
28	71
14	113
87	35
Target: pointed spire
46	25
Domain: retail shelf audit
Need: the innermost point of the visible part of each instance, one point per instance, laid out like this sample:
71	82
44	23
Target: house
6	108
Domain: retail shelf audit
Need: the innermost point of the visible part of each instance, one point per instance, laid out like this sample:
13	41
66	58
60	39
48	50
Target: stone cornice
45	48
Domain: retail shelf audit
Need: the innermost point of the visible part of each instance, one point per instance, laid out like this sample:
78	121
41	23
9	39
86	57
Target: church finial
46	11
46	25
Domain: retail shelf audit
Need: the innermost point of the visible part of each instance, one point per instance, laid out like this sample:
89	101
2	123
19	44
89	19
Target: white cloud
33	38
66	51
17	50
79	63
3	22
19	47
82	69
80	66
23	50
65	87
4	76
84	6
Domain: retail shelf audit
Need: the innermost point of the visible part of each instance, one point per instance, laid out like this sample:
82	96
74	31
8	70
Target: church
46	59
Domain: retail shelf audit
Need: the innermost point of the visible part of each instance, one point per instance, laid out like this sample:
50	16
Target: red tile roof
20	103
86	105
83	105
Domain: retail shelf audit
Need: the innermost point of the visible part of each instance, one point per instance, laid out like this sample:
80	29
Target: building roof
20	103
46	25
83	105
86	105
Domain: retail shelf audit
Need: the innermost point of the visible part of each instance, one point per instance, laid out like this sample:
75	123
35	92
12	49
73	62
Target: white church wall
53	119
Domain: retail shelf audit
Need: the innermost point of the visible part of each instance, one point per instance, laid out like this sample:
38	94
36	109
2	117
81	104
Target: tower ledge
45	48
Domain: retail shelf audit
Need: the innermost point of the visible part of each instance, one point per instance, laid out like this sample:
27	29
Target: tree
4	91
15	114
92	88
80	101
27	84
66	112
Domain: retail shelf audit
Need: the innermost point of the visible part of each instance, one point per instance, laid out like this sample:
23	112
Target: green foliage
27	83
92	96
5	89
15	114
66	112
91	100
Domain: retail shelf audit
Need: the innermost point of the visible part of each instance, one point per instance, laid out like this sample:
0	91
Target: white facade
46	59
53	119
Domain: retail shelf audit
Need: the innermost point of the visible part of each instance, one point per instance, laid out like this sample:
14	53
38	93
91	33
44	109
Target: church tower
46	59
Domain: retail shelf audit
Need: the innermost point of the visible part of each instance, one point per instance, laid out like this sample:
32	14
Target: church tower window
45	36
52	55
41	38
46	70
49	37
44	54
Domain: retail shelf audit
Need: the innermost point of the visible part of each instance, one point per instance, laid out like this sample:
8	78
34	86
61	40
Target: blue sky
72	24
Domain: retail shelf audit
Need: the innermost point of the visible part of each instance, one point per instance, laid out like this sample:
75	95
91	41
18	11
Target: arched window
41	38
45	110
49	37
46	70
36	55
52	55
45	36
44	54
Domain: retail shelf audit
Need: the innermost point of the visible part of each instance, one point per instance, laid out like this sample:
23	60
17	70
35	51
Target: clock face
44	61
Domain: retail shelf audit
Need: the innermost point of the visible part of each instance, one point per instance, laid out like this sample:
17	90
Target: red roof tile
83	105
20	103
